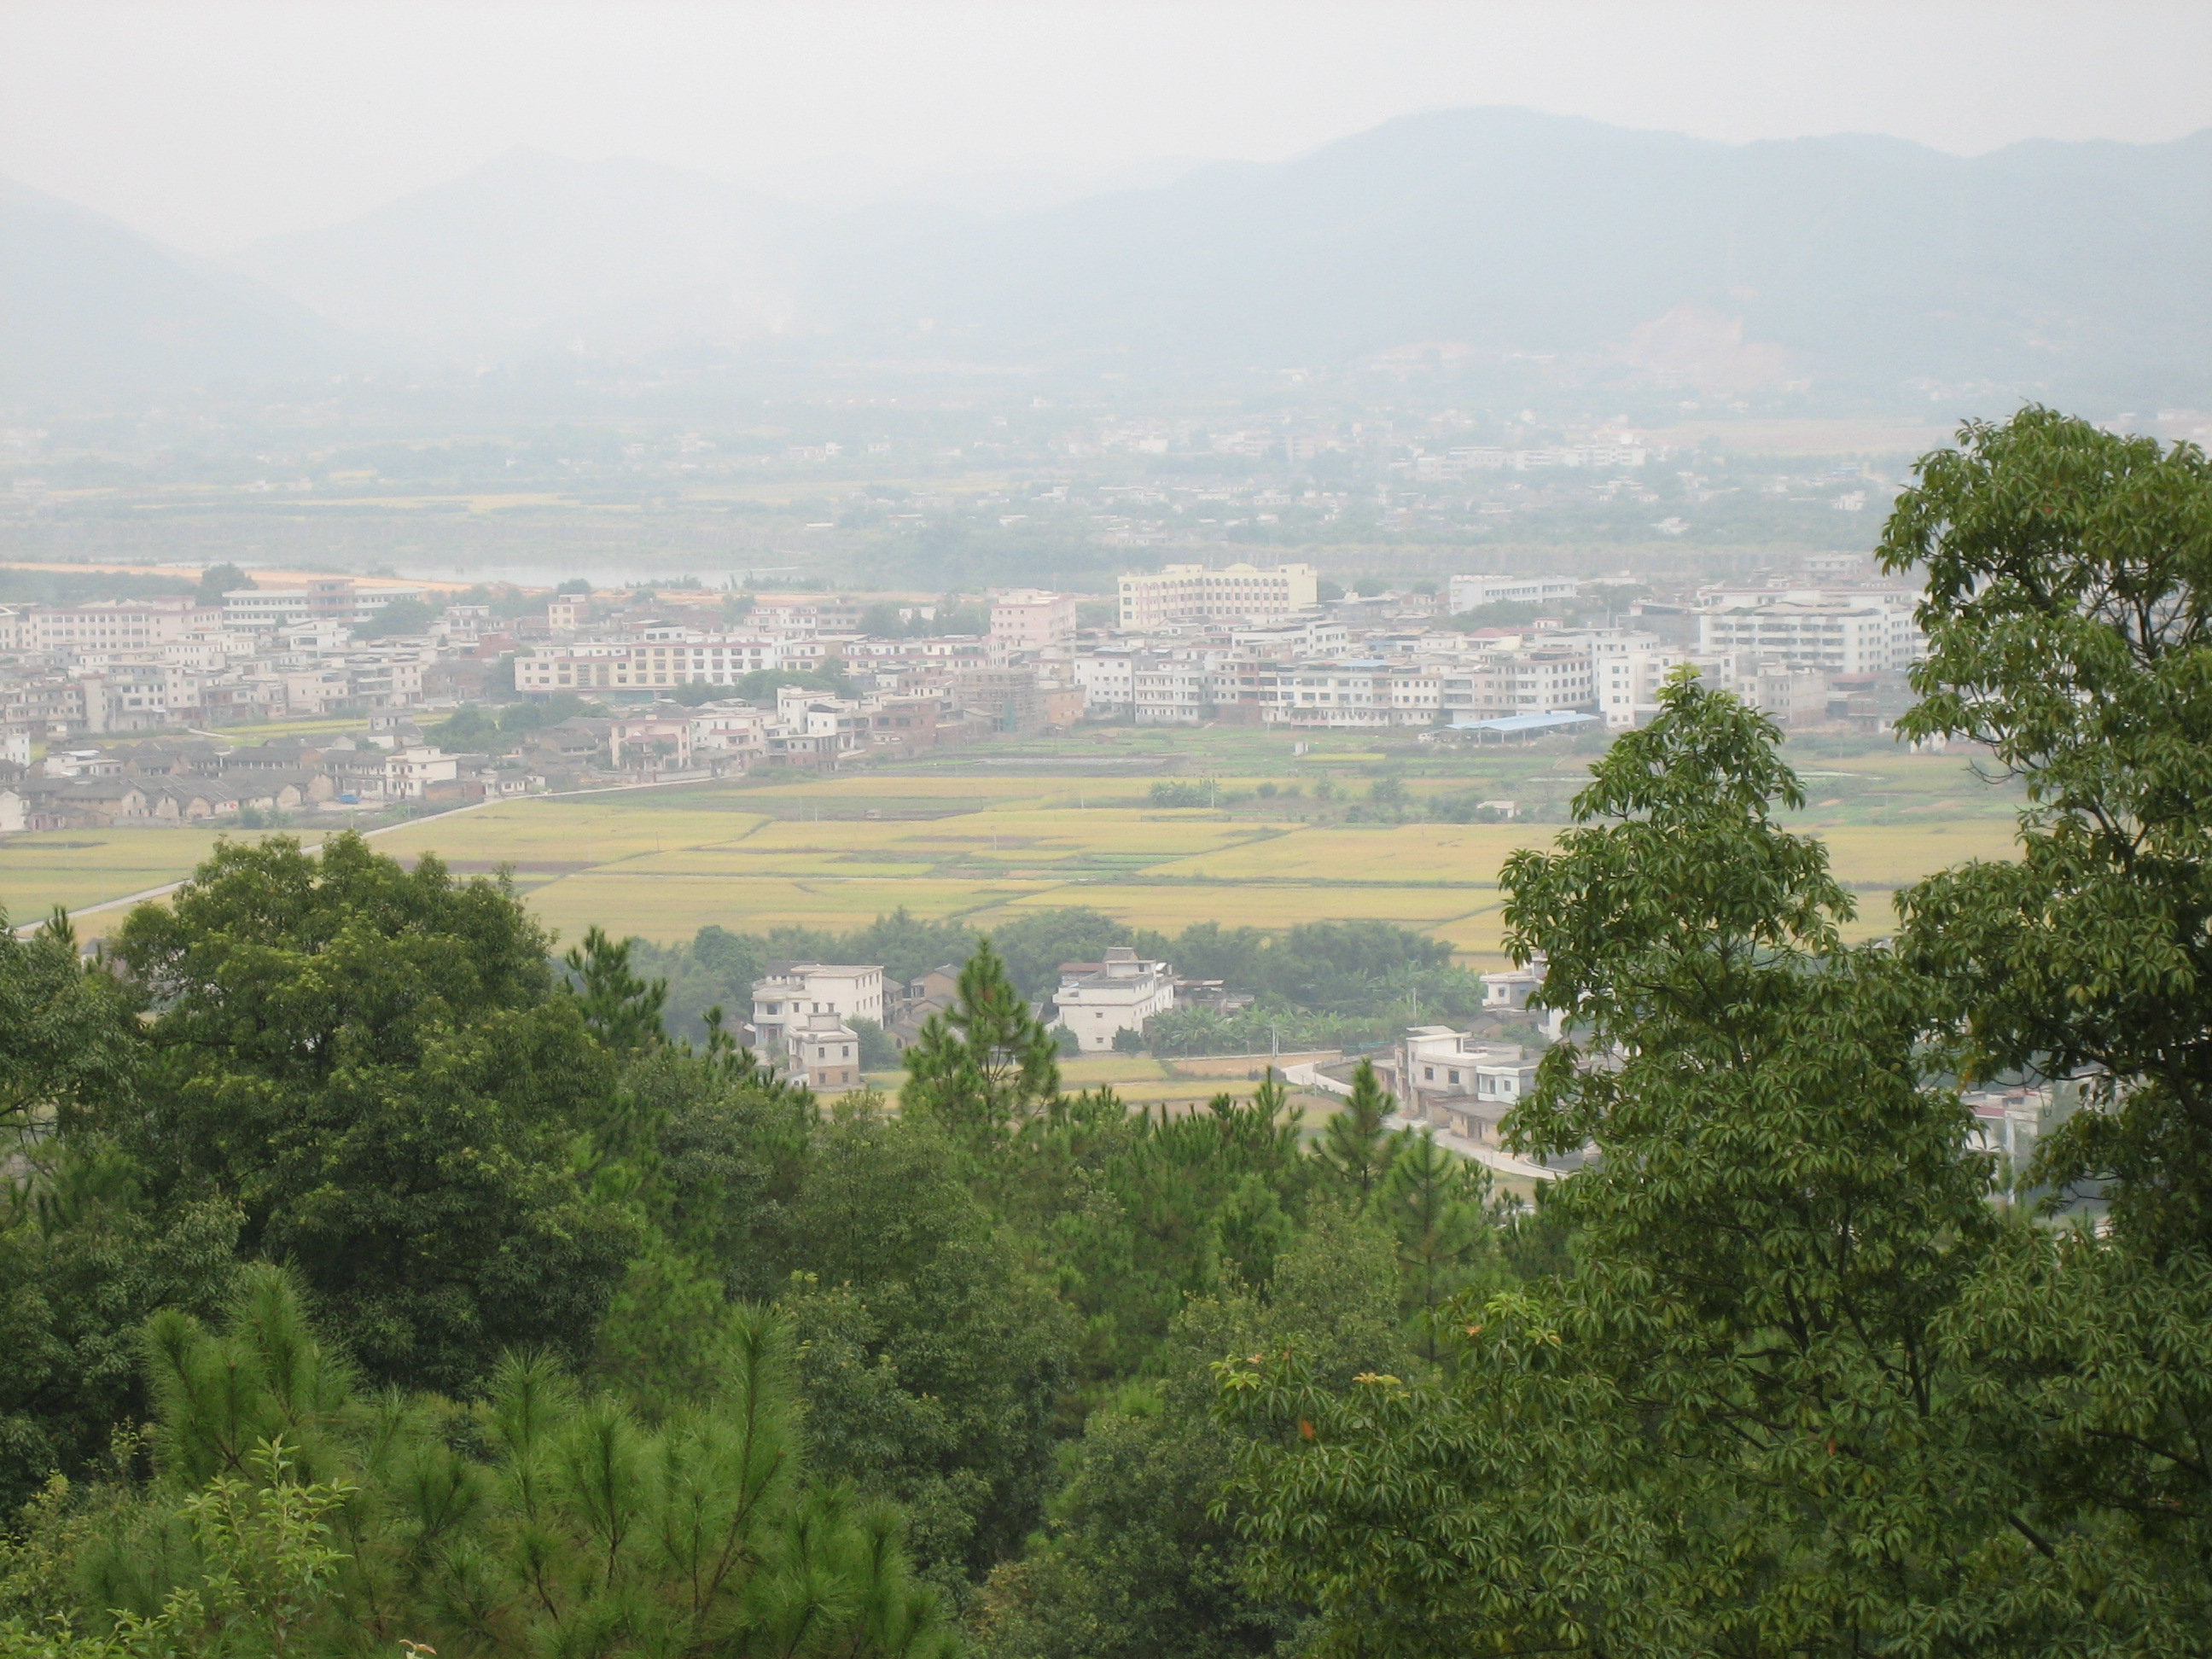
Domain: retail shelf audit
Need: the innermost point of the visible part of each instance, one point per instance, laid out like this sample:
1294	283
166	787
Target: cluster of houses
173	782
802	1010
677	685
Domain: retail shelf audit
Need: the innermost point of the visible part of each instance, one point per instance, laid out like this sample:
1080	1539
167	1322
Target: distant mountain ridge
529	244
92	312
2074	272
1867	259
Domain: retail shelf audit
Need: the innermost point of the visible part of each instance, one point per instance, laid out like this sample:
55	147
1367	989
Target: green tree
986	1064
218	580
64	1031
1139	1557
471	729
877	1052
2069	623
934	1356
371	1063
85	1257
1147	1212
2068	613
1355	1149
1033	946
1736	1428
396	617
1436	1205
622	1009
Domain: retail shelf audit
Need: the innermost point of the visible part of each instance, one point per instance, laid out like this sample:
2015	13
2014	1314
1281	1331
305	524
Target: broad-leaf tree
1727	1431
372	1064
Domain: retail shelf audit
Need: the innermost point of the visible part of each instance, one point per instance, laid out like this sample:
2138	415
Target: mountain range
2069	271
93	312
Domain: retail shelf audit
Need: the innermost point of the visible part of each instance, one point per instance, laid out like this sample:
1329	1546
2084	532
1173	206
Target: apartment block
263	610
1029	619
1185	594
660	664
1836	634
805	615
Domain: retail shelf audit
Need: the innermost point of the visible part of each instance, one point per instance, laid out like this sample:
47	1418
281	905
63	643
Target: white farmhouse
794	991
1098	999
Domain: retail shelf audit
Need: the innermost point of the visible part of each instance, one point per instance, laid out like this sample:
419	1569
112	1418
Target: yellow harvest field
1470	853
746	856
675	908
80	867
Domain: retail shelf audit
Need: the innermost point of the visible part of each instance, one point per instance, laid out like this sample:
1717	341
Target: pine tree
556	1523
1355	1148
1436	1204
986	1064
624	1010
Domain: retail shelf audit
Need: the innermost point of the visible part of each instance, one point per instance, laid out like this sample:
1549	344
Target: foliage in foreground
1807	1392
291	1511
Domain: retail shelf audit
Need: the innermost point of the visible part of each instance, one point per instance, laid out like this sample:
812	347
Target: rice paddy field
1003	831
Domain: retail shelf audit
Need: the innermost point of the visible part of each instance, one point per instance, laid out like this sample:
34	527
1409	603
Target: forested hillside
373	1278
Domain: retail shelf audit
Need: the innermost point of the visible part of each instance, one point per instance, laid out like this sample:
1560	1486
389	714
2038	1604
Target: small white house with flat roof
1097	1000
822	1051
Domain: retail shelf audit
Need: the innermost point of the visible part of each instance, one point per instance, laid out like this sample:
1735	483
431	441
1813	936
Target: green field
982	843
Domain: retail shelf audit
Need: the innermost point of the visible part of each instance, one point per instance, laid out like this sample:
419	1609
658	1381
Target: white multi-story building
104	626
1341	694
659	664
1097	1000
2008	1122
1172	692
1448	1078
1542	680
1836	634
1314	636
737	730
1628	683
262	610
1193	593
1473	593
1108	679
801	990
804	614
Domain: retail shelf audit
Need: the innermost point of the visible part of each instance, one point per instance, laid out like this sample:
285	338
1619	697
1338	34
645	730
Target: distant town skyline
211	124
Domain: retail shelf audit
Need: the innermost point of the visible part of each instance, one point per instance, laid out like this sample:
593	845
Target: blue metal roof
1514	723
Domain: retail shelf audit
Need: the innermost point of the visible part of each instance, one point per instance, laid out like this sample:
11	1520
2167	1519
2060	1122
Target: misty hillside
1863	265
1867	260
91	310
538	251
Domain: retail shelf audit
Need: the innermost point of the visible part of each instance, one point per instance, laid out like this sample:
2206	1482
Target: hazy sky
210	123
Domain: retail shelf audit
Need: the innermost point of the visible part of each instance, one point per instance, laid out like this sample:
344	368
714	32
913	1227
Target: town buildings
1190	646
